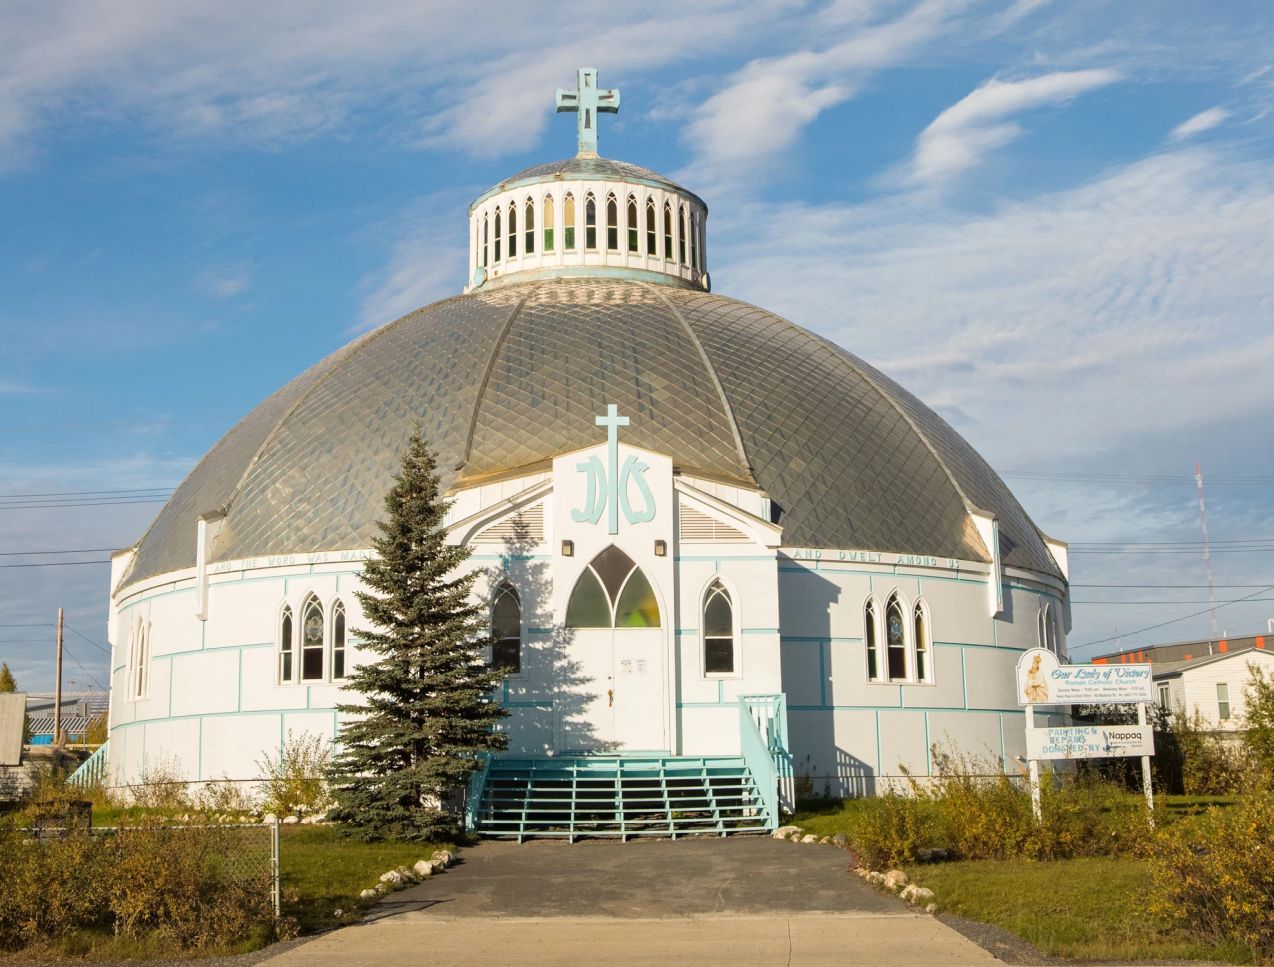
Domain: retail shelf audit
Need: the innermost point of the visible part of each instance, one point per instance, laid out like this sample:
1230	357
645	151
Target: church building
726	561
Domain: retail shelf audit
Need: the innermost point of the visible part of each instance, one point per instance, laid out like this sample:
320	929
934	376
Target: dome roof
504	380
586	168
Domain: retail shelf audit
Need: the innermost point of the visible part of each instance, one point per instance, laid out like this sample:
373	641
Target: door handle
610	698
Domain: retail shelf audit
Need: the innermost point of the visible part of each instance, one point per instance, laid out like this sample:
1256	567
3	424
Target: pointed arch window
141	659
681	238
548	223
718	631
633	227
286	645
896	640
529	227
312	640
612	592
590	223
924	653
486	240
871	639
668	231
694	240
652	228
338	640
513	230
497	235
612	224
568	222
506	630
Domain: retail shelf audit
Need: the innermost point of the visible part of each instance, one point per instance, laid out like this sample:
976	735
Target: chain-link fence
245	854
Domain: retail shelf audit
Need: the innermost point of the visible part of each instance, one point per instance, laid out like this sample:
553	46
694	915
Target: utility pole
57	688
1207	557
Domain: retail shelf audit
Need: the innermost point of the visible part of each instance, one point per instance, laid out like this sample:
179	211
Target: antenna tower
1207	557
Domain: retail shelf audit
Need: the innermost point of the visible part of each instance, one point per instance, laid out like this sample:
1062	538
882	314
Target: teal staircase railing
92	770
623	796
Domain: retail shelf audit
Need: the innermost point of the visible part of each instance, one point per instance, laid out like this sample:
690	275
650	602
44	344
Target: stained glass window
668	232
590	223
568	220
681	237
548	223
921	626
312	640
529	228
589	606
513	230
896	639
652	228
612	224
633	228
637	607
497	235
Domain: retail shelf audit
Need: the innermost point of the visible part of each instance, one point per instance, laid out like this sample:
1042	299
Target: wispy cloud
225	283
762	109
10	387
1203	121
964	133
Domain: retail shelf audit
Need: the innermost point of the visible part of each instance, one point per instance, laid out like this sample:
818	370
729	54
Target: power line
57	505
85	493
104	651
1190	587
82	550
1205	601
56	564
92	678
1184	617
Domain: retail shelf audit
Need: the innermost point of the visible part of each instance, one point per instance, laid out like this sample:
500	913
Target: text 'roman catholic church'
720	553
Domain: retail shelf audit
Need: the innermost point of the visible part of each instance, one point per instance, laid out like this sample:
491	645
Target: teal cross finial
612	421
588	102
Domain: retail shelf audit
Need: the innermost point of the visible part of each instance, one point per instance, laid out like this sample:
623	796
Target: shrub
181	884
1215	878
224	796
1208	765
891	829
984	813
160	786
1258	721
296	782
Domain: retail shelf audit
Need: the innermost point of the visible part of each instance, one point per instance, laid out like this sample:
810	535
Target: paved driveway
742	900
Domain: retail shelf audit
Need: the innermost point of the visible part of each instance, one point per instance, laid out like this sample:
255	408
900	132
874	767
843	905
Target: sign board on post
1042	680
1090	742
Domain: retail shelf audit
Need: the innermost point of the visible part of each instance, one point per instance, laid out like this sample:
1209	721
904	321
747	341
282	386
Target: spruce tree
7	684
427	710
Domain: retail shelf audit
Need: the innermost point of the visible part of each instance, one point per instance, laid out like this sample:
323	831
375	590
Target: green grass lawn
323	871
1087	909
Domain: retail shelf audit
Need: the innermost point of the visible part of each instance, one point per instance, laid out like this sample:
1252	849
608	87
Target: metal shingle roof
509	378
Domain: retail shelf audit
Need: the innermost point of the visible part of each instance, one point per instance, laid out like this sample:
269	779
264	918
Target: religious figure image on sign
1036	690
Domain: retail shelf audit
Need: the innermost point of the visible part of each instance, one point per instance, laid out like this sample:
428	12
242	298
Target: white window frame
878	626
922	606
736	628
329	631
500	588
285	609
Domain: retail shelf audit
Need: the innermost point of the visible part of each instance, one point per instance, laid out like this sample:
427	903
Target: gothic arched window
871	639
285	646
681	238
896	639
694	240
529	228
612	592
513	230
612	224
920	626
718	631
668	231
548	223
312	642
497	235
652	228
338	640
632	224
506	630
590	223
568	221
486	240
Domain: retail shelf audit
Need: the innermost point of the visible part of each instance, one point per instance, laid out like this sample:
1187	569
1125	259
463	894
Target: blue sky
1050	220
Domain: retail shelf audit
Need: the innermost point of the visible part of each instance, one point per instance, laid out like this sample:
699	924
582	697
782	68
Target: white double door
610	694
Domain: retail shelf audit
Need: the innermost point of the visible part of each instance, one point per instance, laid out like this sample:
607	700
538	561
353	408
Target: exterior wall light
661	548
568	548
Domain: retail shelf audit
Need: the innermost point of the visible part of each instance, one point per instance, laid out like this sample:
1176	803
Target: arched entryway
615	682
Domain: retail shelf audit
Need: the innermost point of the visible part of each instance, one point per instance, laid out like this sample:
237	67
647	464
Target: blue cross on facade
587	101
608	486
613	421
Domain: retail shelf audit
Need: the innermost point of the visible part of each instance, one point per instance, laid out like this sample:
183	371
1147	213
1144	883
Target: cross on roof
587	101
